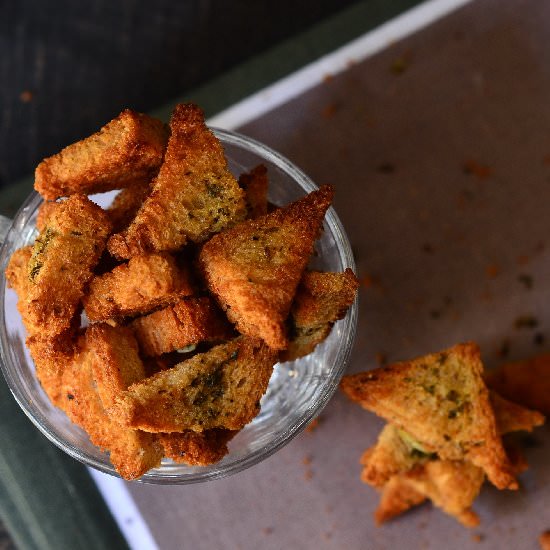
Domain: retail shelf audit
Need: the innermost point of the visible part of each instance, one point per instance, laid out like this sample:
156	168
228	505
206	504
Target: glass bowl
297	391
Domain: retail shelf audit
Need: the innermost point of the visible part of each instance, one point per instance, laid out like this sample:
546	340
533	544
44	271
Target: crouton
61	264
525	382
114	357
45	210
255	184
217	389
127	151
451	485
321	300
193	196
137	287
196	448
254	268
126	205
190	321
442	402
132	452
512	417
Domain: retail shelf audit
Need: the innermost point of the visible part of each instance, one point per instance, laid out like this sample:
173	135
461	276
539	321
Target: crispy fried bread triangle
441	401
254	268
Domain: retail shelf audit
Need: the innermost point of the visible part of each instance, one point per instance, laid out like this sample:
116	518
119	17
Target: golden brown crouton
50	351
126	204
139	286
127	151
451	485
544	540
193	196
321	300
17	271
61	264
217	389
512	417
45	210
196	448
254	268
442	402
255	185
397	497
395	452
114	357
524	382
190	321
132	452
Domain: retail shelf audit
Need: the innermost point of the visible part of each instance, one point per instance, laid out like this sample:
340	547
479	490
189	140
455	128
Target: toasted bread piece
441	400
451	485
255	184
193	196
524	382
544	540
45	210
321	300
217	389
61	264
50	352
190	321
395	452
114	356
196	448
137	287
17	271
126	205
512	417
127	151
254	268
397	496
132	452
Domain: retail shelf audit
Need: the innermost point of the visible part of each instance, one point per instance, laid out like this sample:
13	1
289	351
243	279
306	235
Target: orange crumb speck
544	540
522	259
492	271
327	77
329	110
267	530
481	171
306	461
25	96
478	537
313	425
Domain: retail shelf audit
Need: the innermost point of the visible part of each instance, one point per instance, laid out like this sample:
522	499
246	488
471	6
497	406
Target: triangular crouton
255	184
132	452
217	389
254	268
196	448
62	262
512	417
114	356
127	151
396	451
143	284
194	195
321	300
190	321
451	485
524	382
441	400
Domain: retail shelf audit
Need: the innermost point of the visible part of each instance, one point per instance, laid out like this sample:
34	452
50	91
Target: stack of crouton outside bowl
188	326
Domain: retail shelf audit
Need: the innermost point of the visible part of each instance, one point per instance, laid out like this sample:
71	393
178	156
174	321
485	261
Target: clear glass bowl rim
157	476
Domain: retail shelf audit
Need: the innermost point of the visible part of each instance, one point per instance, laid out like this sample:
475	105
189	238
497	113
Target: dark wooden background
67	67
